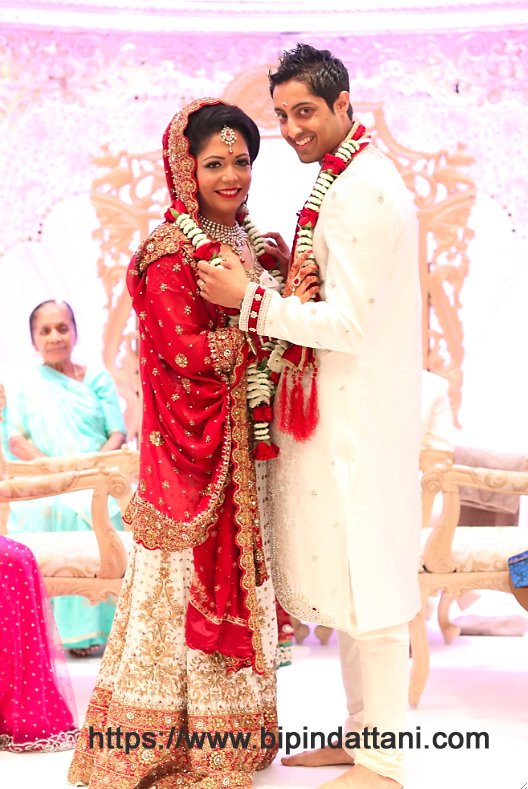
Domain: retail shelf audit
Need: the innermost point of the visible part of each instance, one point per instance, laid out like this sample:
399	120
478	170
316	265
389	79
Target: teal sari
62	416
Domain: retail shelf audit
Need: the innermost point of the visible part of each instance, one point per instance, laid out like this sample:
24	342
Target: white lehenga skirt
153	692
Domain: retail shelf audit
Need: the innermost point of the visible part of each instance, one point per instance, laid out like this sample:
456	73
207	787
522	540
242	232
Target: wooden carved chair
91	563
455	558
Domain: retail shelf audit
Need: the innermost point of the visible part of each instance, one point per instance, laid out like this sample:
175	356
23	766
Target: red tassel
296	421
283	401
311	417
297	413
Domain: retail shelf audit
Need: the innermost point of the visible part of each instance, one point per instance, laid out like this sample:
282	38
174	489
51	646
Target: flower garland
274	357
297	418
261	382
331	167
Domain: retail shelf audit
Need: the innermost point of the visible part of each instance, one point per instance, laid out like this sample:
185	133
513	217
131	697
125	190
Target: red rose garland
297	416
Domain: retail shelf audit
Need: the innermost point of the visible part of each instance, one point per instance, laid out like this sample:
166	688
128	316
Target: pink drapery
36	702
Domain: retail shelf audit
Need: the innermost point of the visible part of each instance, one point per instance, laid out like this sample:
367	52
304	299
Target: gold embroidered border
247	514
154	530
166	239
213	767
96	716
225	345
225	342
181	162
200	599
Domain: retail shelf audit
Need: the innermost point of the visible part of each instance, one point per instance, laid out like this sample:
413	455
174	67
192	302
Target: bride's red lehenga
193	645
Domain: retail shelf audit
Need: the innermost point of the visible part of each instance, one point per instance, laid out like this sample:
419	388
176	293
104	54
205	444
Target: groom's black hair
325	75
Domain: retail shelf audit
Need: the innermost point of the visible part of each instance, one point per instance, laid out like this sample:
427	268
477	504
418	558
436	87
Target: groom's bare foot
359	777
318	758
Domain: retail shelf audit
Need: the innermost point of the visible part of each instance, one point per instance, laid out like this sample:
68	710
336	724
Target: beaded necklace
235	236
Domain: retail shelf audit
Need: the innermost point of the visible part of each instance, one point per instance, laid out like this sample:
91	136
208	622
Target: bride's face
224	176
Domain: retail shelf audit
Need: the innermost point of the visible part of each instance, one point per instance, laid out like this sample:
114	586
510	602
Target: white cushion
483	548
70	554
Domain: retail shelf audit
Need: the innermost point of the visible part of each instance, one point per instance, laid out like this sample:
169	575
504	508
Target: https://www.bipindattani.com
265	739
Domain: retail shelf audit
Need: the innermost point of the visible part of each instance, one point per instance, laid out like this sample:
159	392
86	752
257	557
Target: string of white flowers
195	235
260	387
322	184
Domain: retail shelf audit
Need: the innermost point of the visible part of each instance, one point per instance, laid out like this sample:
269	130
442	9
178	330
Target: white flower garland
324	181
260	388
195	235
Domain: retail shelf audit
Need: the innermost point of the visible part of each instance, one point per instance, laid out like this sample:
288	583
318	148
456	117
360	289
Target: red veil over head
197	476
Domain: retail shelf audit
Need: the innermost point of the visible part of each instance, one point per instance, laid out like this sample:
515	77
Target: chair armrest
497	480
447	478
431	457
126	460
51	484
104	483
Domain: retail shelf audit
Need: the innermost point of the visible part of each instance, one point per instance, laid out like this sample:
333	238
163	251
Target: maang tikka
228	136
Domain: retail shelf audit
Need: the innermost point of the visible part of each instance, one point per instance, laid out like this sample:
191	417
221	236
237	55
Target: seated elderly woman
64	408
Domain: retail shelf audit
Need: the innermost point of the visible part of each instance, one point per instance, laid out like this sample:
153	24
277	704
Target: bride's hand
275	245
309	286
303	279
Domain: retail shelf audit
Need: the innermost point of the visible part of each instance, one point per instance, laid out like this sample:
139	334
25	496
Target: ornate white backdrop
75	77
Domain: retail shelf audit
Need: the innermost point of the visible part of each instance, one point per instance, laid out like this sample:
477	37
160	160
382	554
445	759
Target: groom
347	530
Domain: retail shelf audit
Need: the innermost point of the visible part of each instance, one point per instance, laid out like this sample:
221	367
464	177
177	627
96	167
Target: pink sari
34	713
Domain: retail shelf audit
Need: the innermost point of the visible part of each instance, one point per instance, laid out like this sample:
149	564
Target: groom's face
306	121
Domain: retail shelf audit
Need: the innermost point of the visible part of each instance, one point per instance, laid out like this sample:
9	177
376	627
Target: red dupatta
197	476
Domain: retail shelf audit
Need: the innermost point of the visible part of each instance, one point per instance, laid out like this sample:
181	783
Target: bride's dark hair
211	119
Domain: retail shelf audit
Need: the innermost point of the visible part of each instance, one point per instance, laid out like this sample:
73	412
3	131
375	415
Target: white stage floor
478	683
